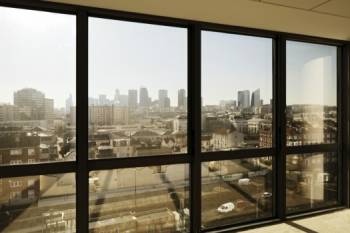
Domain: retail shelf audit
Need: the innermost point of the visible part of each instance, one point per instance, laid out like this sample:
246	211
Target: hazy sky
311	74
124	55
38	51
234	62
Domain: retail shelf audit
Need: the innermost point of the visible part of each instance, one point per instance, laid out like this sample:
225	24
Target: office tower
162	98
116	97
123	100
181	98
243	99
144	99
69	103
49	109
33	101
132	99
256	98
102	99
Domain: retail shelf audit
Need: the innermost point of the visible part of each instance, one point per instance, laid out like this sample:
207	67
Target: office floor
336	222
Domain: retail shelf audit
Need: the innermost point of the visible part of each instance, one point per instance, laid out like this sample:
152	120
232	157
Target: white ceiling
324	18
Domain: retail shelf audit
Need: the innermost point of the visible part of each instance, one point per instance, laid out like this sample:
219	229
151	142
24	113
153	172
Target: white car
244	181
266	195
226	207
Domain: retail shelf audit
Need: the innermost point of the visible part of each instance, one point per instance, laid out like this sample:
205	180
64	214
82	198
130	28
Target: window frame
194	157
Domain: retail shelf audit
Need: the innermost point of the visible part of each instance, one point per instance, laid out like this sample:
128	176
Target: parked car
244	181
266	195
226	207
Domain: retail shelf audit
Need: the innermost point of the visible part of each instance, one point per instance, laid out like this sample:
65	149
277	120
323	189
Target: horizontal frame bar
312	148
237	154
37	169
105	164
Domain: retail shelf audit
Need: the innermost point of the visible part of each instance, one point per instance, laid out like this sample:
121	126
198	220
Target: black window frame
194	157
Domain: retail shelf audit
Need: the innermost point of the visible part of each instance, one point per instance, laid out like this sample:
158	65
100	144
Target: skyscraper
132	99
116	97
144	99
162	97
243	99
256	98
181	98
102	99
69	103
33	100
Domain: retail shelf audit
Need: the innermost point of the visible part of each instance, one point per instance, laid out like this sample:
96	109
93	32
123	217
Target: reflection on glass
143	200
311	181
137	91
236	92
43	203
37	113
236	191
311	93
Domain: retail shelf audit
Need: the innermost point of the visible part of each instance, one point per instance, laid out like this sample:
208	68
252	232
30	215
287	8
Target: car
226	207
244	181
266	195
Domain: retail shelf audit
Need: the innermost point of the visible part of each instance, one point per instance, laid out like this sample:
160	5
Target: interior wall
246	13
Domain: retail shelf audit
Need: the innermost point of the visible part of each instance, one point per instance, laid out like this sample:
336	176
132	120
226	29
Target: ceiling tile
303	4
336	7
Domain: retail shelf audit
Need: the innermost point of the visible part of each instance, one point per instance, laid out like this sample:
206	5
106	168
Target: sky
38	51
231	63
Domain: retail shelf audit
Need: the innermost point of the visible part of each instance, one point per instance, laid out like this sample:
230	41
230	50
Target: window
37	107
30	207
236	191
142	199
311	94
239	116
312	181
15	183
179	121
31	151
16	152
137	94
15	162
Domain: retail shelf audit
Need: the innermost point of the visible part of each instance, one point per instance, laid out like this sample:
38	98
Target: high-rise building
132	99
49	109
33	100
144	99
123	100
69	103
116	97
243	99
181	98
103	101
162	98
256	98
108	115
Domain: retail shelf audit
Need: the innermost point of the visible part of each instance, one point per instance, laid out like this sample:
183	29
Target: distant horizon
125	54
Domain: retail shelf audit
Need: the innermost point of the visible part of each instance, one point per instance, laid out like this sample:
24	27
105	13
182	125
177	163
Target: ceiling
324	18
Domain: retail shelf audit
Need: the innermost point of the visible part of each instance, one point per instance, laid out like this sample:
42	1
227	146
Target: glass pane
143	199
137	89
43	203
311	181
37	113
311	94
236	92
236	191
